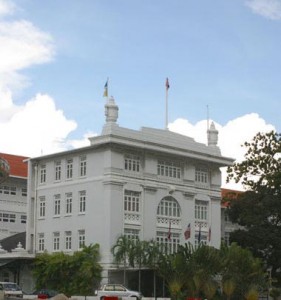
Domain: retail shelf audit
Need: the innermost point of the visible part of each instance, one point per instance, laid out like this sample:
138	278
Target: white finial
111	111
212	135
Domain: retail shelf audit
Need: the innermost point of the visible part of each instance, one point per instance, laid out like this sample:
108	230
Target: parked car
11	289
116	290
45	293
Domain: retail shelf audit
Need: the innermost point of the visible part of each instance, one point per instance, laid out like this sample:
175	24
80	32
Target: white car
117	290
11	289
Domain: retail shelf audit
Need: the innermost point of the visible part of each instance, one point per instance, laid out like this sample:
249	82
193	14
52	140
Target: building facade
13	197
147	184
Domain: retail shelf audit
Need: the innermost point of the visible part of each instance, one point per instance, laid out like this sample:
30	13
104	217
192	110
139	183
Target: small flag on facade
105	93
187	232
169	232
167	83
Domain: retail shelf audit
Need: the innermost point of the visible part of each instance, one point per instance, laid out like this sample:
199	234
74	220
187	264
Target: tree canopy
258	210
195	271
63	272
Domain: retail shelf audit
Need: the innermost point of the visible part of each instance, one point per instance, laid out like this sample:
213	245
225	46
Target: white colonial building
144	184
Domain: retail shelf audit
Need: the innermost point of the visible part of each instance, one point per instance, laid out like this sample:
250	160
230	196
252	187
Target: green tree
152	260
191	271
203	266
123	253
139	257
258	210
172	267
241	272
51	270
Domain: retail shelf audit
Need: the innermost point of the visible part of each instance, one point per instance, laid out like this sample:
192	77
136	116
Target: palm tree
172	267
228	288
202	266
240	269
153	254
122	253
139	256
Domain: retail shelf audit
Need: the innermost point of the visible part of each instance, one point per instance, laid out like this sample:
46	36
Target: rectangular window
132	201
5	217
8	190
13	190
8	217
24	192
168	244
56	241
12	218
68	240
132	163
69	168
82	201
81	239
23	219
42	206
83	166
132	234
58	170
43	173
57	205
169	169
41	242
68	200
201	210
201	175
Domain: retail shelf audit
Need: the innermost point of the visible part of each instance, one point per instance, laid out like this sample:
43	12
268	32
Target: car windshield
11	286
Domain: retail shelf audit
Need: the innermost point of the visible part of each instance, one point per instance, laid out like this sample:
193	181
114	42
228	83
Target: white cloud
22	45
6	7
270	9
231	136
36	128
81	142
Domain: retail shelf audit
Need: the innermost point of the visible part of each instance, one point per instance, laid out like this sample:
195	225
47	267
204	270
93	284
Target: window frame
69	168
58	170
83	166
82	201
43	173
57	205
56	241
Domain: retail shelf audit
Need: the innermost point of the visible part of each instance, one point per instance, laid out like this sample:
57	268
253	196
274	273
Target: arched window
168	207
168	224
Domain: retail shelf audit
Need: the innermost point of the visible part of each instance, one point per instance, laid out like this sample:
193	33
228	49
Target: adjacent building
13	197
146	184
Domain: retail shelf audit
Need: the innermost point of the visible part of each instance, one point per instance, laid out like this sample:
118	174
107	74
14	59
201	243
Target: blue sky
57	55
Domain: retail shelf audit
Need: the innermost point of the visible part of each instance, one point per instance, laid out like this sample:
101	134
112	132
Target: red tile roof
17	167
227	194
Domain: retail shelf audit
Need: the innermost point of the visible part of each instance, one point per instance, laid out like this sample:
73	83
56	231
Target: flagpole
207	117
167	88
166	108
